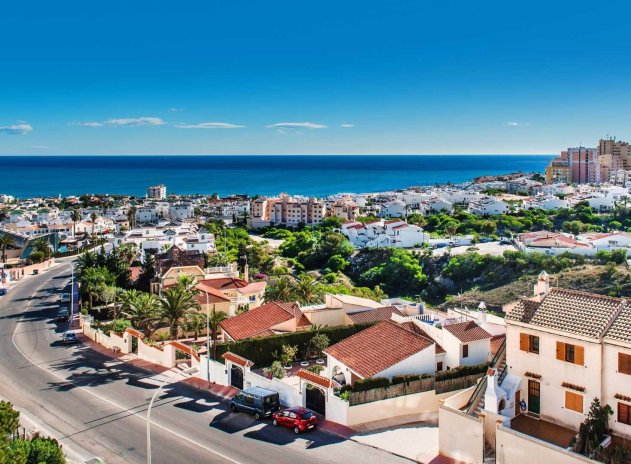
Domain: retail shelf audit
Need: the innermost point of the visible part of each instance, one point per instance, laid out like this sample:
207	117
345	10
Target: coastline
308	175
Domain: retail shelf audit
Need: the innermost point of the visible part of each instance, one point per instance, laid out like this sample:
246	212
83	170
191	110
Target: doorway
534	397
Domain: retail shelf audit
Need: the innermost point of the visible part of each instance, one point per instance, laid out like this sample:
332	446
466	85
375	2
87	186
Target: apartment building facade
286	210
157	192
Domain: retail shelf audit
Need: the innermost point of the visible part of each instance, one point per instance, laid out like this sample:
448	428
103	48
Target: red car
300	419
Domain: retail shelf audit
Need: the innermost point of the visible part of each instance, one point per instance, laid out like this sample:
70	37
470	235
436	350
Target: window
571	353
439	366
529	343
624	413
465	351
248	399
624	363
574	401
252	298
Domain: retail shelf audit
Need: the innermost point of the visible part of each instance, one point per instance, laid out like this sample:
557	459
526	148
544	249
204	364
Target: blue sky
291	77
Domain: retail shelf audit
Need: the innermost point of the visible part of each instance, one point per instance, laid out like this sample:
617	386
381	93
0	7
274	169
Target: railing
479	390
502	376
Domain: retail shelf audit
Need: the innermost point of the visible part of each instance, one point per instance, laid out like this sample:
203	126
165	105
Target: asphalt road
97	406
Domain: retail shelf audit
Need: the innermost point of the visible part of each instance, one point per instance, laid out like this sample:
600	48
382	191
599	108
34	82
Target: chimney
542	287
246	272
482	313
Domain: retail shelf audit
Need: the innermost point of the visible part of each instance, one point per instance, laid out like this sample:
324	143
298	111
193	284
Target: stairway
489	453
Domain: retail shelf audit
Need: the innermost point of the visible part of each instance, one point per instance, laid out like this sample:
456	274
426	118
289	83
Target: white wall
461	437
423	362
615	382
554	372
513	447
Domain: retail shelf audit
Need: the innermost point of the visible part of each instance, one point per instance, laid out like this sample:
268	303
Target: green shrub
371	383
462	371
260	350
397	379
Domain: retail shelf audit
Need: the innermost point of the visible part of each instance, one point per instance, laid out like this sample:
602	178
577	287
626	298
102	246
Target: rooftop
467	331
377	348
572	311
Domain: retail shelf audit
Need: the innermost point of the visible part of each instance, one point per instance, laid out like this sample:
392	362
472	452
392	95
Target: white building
181	211
396	233
157	192
489	206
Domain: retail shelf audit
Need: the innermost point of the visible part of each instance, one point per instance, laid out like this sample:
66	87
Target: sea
321	175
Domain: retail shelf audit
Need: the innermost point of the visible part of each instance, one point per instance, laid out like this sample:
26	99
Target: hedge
260	350
397	379
371	383
462	371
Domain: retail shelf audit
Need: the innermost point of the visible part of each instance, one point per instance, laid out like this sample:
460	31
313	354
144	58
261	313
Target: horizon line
42	155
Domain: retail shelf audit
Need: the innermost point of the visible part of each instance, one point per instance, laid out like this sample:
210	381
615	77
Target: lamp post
153	398
207	340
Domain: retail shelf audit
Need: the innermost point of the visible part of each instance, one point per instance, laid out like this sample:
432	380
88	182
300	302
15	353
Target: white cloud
144	121
175	110
39	147
347	125
296	125
208	125
516	124
119	122
16	129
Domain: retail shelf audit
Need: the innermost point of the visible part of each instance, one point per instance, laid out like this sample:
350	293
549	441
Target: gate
236	377
316	399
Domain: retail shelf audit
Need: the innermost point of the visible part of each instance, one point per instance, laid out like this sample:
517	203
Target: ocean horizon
313	175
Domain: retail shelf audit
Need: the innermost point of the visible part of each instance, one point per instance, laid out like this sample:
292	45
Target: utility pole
71	293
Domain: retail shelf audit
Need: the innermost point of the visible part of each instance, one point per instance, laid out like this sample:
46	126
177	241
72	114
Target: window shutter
624	363
579	355
523	342
561	351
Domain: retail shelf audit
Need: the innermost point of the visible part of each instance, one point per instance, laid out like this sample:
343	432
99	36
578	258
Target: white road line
137	415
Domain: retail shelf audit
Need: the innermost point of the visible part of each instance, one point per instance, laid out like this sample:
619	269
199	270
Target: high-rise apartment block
157	192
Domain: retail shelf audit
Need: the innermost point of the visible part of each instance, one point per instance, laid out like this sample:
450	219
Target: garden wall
461	436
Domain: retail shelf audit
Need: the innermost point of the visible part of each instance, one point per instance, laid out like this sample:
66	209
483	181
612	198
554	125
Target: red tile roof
377	348
467	331
258	321
135	272
214	295
412	327
224	283
314	378
373	315
235	358
496	342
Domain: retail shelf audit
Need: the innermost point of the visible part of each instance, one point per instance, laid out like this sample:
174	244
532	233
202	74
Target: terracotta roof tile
377	348
259	321
467	331
621	328
373	315
412	327
314	378
579	313
224	283
235	358
496	343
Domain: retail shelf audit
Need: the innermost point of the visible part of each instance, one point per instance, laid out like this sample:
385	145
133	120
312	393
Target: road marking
59	376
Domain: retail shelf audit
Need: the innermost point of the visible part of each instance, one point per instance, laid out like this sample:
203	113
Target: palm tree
131	217
6	241
93	216
306	290
195	322
85	261
92	282
214	320
76	217
176	304
186	282
282	290
141	309
42	246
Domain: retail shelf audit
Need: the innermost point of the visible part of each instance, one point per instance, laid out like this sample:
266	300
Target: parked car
63	315
486	240
257	401
69	338
65	298
505	241
4	291
440	245
298	419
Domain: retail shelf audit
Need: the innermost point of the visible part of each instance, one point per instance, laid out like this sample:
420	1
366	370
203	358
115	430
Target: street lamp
153	398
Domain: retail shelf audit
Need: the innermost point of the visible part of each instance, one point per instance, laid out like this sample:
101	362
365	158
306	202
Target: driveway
490	248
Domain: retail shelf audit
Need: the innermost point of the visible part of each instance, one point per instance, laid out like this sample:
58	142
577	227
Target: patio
543	430
290	374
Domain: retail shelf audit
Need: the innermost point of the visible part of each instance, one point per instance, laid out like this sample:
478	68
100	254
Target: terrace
543	430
